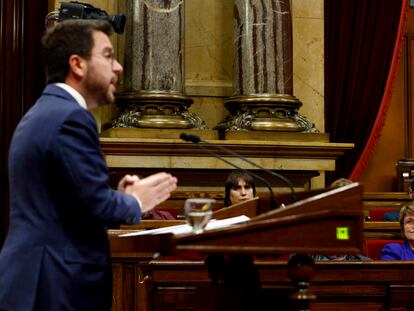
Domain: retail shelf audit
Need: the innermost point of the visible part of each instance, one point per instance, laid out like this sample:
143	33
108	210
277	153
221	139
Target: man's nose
117	67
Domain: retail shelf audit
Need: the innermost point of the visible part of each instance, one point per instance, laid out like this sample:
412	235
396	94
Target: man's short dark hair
67	38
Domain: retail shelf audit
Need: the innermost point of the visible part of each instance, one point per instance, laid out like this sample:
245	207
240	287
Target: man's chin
109	99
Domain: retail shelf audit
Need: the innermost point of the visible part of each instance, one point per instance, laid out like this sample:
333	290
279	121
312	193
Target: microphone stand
272	197
196	139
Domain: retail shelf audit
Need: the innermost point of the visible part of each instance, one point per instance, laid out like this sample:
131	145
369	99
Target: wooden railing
384	200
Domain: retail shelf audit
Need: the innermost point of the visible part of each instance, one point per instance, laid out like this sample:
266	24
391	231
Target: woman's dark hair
233	181
67	38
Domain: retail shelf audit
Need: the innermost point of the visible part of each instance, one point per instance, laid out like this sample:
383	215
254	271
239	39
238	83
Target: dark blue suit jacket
56	254
397	251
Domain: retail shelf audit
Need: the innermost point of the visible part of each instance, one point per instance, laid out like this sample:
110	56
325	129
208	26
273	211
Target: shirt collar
76	95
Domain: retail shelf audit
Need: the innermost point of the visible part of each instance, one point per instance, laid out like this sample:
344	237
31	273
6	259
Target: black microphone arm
196	139
272	196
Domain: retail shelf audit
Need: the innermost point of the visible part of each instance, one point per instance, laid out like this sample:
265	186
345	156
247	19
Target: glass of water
198	213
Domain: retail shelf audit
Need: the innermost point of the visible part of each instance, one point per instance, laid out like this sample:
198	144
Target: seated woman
404	251
156	214
240	186
234	269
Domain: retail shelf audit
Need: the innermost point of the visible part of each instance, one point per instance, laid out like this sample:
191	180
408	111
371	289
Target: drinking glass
198	213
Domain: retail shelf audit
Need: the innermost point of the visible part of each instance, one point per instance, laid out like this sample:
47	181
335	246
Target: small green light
342	233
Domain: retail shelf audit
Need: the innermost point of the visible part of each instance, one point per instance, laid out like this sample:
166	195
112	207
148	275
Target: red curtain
362	49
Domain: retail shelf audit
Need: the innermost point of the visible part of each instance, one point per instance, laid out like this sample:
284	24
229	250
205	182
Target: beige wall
209	56
308	58
381	173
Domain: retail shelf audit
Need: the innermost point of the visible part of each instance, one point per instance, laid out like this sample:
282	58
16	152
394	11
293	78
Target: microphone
193	138
196	139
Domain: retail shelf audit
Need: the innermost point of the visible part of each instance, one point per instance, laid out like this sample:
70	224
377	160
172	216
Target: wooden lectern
329	221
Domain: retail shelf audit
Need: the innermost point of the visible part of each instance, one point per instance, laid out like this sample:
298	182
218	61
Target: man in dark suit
56	255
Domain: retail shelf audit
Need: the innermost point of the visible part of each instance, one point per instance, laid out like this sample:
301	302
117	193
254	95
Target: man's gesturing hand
125	181
152	190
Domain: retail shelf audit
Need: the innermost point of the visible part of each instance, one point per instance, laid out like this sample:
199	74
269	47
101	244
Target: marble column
154	67
263	69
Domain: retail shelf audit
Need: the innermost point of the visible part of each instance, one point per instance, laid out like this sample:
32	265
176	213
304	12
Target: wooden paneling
384	200
185	285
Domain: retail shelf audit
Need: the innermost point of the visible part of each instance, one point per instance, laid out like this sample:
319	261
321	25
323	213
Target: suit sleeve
85	173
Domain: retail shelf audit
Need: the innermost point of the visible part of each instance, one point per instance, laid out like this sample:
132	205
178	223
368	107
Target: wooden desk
177	284
329	222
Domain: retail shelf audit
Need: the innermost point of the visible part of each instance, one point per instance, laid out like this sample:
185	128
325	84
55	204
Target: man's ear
77	65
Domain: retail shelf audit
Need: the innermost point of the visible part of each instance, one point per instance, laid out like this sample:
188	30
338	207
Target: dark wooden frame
21	77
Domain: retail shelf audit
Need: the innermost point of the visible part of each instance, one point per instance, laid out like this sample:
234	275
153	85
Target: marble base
216	135
276	136
157	133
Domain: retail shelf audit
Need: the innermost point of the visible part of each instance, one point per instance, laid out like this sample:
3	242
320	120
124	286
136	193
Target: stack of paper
183	229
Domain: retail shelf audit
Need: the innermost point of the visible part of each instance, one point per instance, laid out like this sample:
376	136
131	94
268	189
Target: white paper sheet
183	229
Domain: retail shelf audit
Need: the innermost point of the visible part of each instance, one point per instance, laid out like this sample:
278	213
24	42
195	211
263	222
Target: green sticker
342	233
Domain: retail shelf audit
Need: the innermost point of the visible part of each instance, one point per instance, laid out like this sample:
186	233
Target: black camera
79	10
